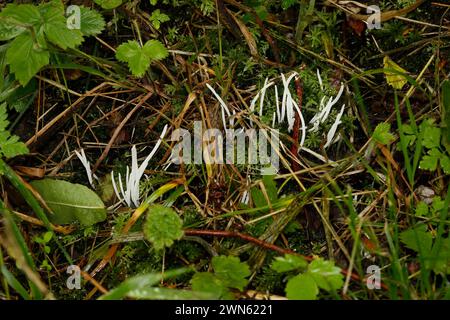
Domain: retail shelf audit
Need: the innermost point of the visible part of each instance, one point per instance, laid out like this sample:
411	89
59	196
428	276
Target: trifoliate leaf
157	18
25	57
162	227
381	133
155	50
288	263
396	80
70	202
326	274
231	271
208	282
91	22
55	26
417	239
137	58
302	287
134	56
430	161
9	145
108	4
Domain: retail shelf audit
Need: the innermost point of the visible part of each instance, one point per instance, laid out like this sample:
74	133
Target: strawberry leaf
25	57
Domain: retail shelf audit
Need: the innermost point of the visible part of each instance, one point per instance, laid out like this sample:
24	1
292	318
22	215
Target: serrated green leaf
155	50
22	15
8	30
430	161
302	287
288	263
156	18
431	137
137	58
71	202
134	56
286	4
91	22
445	164
421	209
25	57
108	4
9	145
326	274
163	226
439	258
417	239
55	26
208	282
382	133
231	271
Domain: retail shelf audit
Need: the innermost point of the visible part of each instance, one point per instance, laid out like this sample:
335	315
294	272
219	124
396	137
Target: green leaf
55	26
26	58
140	282
430	161
231	271
91	22
431	137
207	282
439	258
20	16
108	4
382	135
417	239
422	209
286	4
134	56
155	50
326	274
163	226
445	164
137	58
9	145
157	18
302	287
288	263
8	30
70	202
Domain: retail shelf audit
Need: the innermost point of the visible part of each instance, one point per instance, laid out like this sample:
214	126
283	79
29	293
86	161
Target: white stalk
333	128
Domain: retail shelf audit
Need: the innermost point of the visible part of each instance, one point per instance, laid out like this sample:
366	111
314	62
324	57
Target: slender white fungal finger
116	191
263	93
303	124
333	128
320	79
221	102
278	105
